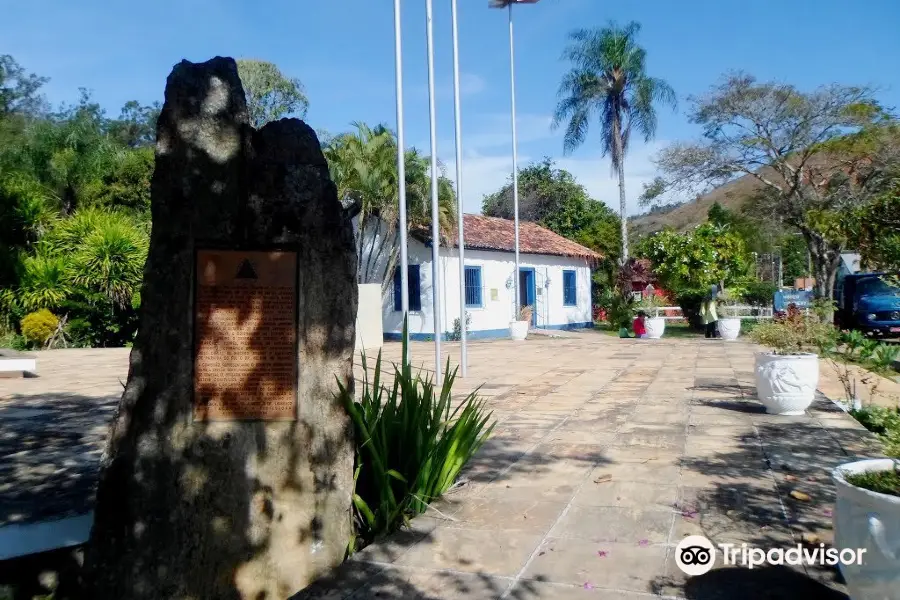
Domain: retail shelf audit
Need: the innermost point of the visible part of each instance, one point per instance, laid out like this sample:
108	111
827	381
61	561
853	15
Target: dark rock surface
229	509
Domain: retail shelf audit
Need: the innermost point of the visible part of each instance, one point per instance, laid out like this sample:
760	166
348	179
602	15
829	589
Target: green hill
732	195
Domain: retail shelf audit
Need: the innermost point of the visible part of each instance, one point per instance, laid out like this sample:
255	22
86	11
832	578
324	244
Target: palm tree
608	79
363	166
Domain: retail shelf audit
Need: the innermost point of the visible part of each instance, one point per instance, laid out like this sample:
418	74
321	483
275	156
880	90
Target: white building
554	275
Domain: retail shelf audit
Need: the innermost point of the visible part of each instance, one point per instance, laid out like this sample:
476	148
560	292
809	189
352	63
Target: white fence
740	311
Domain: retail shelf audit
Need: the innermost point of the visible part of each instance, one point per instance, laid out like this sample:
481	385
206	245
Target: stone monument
229	469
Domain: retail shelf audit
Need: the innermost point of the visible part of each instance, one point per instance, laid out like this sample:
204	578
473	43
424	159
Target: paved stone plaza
607	452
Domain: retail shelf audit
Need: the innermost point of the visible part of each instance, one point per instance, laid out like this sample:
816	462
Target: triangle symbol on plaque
246	271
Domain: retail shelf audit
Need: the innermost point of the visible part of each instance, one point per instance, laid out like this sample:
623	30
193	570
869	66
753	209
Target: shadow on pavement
770	583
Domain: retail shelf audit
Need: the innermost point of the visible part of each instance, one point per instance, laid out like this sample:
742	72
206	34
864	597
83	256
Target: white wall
496	268
369	321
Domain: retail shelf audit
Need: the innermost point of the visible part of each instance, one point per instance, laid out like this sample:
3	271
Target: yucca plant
410	445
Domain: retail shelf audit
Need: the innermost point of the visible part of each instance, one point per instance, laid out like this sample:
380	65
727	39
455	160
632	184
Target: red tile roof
492	233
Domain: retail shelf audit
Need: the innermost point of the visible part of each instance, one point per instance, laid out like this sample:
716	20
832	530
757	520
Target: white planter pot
786	385
866	519
518	330
729	328
655	327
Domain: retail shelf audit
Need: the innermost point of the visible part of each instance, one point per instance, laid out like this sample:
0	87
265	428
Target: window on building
570	298
415	289
473	287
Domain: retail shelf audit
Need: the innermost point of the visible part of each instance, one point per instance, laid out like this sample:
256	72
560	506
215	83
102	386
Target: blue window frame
415	289
473	287
570	298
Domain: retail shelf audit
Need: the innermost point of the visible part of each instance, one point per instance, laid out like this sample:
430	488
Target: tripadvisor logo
696	555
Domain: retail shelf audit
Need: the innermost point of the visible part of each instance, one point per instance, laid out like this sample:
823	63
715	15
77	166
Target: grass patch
882	482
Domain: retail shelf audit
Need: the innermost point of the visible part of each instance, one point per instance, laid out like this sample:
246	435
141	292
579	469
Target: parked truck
869	303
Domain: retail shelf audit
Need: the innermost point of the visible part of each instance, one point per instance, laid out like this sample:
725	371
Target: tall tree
70	151
694	260
608	80
270	94
813	155
136	125
876	228
553	198
19	90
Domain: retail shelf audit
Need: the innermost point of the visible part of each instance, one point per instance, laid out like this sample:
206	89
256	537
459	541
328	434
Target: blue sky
343	52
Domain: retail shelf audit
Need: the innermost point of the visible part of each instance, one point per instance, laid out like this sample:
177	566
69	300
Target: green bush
89	266
37	327
690	302
748	325
885	423
620	311
796	333
410	446
759	293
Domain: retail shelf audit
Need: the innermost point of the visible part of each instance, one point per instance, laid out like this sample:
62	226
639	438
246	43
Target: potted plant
620	313
729	323
867	516
518	330
654	323
786	378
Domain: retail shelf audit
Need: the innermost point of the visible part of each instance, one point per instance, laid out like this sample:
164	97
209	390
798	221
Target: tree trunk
826	258
387	274
362	225
618	159
233	509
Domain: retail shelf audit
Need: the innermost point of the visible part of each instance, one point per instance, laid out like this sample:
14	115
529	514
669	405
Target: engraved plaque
245	335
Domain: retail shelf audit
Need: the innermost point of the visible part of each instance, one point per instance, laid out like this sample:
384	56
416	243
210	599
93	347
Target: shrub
881	482
526	312
651	305
884	356
37	327
621	311
727	304
456	335
795	333
410	446
690	301
883	422
759	293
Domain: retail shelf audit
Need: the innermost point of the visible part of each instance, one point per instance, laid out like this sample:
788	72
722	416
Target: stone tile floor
606	453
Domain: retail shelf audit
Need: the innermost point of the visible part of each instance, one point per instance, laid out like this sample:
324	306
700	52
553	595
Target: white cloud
594	174
470	84
482	175
495	131
487	161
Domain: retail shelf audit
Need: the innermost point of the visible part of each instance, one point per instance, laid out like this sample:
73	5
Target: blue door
526	290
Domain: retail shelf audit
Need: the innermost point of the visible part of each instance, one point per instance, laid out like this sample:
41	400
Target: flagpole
463	358
435	229
401	172
515	156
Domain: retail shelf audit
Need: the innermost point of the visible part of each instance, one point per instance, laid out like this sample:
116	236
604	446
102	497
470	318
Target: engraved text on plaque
245	335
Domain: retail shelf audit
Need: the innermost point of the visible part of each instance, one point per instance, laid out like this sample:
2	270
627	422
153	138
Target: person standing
713	317
710	316
704	315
